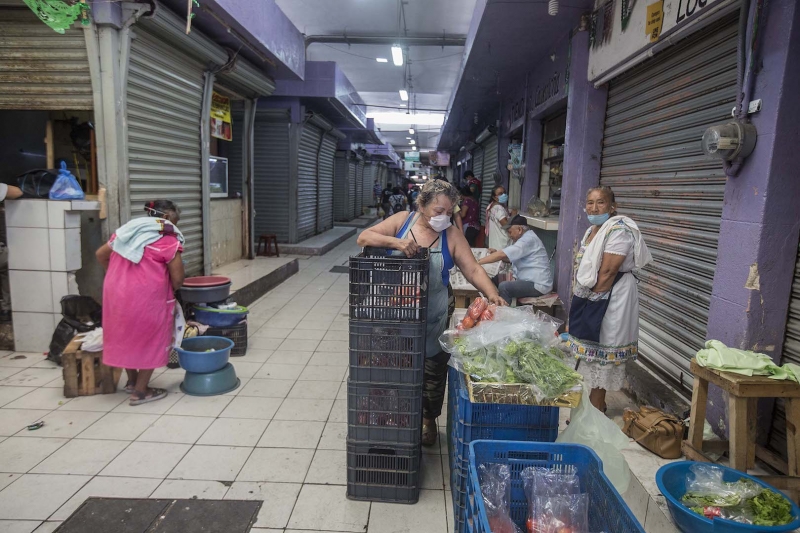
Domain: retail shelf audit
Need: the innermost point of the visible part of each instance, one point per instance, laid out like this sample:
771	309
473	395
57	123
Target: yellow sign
221	117
655	20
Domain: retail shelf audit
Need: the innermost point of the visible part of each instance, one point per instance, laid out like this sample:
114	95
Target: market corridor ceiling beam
441	40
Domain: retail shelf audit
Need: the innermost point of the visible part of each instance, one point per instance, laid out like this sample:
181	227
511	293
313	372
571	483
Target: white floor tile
8	479
329	467
146	460
265	343
267	388
314	324
431	467
298	345
428	515
252	407
271	332
119	426
246	369
278	500
333	346
234	432
176	429
314	410
335	335
37	496
14	420
19	526
98	402
334	437
317	390
152	408
190	490
339	411
108	487
169	381
307	334
19	455
8	371
291	434
254	355
277	465
279	371
42	398
200	405
31	377
327	508
20	360
289	358
323	373
86	457
221	463
47	527
329	359
9	394
66	424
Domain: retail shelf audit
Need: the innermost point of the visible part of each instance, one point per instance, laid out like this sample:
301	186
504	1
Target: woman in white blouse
497	217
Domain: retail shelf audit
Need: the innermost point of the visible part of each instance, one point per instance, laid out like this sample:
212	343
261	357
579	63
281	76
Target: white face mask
440	223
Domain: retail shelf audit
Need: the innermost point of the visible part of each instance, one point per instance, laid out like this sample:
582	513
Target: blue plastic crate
607	510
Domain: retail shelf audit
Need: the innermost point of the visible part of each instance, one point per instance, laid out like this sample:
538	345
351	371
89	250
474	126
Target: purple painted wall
760	221
583	144
286	102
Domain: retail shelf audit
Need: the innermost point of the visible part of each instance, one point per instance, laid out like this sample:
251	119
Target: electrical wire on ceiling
372	59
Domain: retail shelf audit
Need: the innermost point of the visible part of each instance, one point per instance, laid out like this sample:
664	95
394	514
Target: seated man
532	275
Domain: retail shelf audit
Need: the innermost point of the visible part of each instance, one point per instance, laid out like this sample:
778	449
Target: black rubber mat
340	269
100	515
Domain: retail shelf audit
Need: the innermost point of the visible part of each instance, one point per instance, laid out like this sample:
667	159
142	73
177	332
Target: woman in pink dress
144	268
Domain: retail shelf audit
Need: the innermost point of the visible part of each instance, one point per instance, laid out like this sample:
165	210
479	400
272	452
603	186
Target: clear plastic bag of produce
495	482
541	482
557	514
707	489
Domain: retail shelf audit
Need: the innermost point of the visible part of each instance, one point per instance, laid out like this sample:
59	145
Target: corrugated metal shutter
341	187
652	159
791	354
39	68
310	139
359	188
326	164
353	189
489	161
271	153
369	184
235	148
164	99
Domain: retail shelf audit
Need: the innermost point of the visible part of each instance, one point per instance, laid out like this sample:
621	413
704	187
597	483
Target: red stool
268	241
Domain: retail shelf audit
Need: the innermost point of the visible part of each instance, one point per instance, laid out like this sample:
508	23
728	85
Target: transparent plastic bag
540	481
556	514
707	489
495	482
66	186
590	427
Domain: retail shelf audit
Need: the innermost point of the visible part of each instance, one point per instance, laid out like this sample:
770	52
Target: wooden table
743	394
464	297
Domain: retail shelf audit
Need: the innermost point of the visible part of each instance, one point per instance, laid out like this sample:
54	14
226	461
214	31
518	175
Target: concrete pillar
760	221
586	109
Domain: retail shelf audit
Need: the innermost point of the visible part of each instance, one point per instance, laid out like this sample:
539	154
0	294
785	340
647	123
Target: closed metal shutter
791	354
164	100
369	184
341	188
39	68
271	153
353	189
326	164
235	161
655	118
489	161
359	188
310	139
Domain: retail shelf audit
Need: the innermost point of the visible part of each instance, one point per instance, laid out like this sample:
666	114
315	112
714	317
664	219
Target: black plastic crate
389	288
237	333
383	473
387	353
380	412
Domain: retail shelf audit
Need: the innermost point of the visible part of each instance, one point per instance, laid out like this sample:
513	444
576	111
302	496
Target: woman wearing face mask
430	228
604	315
496	218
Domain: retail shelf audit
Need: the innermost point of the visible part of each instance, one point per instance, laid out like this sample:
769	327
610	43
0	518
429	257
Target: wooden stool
85	374
268	240
547	303
464	297
743	394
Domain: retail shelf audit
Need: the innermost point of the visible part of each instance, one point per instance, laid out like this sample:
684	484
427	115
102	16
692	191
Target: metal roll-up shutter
353	189
164	103
652	160
791	354
39	68
235	150
341	187
271	153
326	172
359	188
310	139
369	182
489	163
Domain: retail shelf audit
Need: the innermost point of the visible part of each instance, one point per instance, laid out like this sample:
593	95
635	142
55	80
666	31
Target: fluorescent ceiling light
407	119
381	60
397	55
404	97
412	141
408	138
411	131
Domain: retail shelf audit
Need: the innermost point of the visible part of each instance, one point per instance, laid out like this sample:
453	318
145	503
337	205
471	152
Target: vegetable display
479	311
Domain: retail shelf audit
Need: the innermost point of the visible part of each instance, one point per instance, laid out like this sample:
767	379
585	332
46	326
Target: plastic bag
537	208
66	186
496	490
180	327
590	427
707	489
93	341
36	183
555	514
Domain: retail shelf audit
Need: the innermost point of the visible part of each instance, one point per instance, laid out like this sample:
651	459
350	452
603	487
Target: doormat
162	516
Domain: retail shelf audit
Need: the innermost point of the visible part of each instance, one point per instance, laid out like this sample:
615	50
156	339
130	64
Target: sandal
146	397
130	387
429	433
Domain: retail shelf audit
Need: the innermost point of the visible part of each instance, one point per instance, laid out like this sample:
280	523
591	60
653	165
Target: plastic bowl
206	281
671	480
220	318
222	381
205	295
204	354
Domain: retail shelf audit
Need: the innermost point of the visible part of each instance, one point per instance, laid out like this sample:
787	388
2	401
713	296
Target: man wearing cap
532	274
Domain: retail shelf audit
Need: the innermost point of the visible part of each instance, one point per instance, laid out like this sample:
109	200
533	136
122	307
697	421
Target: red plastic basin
206	281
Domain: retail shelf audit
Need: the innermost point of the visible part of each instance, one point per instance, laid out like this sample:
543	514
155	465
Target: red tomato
468	322
477	308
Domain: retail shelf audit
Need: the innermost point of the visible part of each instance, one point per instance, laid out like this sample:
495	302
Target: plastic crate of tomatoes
384	413
387	353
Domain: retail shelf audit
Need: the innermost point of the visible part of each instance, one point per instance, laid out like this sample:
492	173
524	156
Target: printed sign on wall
221	124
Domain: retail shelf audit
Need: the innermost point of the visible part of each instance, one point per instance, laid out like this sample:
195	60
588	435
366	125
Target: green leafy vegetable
771	509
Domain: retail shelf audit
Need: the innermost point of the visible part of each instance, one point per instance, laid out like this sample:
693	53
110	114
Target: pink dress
138	308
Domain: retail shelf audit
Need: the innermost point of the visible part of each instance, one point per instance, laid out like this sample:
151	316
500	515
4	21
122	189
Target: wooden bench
85	374
546	303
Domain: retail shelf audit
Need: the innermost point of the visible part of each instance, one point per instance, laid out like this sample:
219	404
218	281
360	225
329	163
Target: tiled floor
280	437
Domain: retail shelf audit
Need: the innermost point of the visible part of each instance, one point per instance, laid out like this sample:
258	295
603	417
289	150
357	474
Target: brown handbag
659	432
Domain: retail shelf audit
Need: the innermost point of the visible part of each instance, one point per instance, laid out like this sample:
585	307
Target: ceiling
433	70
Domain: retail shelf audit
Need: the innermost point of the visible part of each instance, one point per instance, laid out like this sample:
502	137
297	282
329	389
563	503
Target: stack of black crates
388	303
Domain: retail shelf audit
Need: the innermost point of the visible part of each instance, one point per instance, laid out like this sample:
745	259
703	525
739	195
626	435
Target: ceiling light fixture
403	95
381	60
411	131
412	141
406	119
397	55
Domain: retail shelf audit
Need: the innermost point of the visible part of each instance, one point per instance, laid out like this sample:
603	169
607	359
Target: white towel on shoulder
593	255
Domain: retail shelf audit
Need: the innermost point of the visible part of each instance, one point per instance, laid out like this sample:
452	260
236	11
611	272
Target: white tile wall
32	291
60	216
65	250
26	213
28	248
64	283
33	331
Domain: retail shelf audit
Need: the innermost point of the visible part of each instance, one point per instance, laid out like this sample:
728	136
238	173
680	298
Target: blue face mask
598	220
503	198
